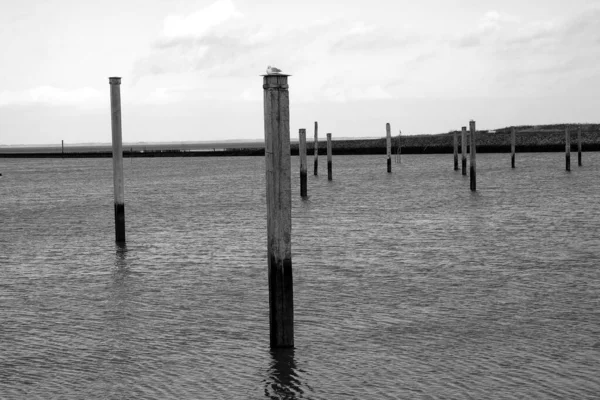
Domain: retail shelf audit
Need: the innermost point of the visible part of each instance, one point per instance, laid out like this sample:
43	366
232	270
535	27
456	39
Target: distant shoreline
546	138
294	152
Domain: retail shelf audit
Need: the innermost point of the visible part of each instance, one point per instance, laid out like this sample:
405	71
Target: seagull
273	70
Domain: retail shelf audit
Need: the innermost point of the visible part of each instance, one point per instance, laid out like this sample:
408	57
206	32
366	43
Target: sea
407	285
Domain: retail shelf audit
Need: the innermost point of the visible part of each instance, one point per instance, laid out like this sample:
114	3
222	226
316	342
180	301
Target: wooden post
316	148
279	209
388	146
302	150
117	156
463	149
398	148
473	169
513	141
455	151
579	146
329	166
567	148
62	147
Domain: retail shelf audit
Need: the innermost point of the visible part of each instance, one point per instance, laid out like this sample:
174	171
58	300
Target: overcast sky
191	68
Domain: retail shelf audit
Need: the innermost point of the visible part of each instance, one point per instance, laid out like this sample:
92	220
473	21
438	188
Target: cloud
535	57
198	23
352	93
489	27
504	32
232	44
49	95
218	59
361	37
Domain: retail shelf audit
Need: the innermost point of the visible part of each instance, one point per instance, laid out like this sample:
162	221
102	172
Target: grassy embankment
528	139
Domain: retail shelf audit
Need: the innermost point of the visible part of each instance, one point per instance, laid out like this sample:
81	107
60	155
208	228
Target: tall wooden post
302	151
513	146
117	156
579	146
463	149
388	146
399	148
329	165
567	148
455	151
279	209
316	148
62	148
473	167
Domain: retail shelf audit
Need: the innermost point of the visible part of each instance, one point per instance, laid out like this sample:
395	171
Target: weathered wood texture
316	148
388	147
329	160
567	149
513	146
455	151
279	210
463	149
473	151
579	146
117	156
303	171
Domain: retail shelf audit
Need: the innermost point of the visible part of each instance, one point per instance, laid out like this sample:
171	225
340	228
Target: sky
191	69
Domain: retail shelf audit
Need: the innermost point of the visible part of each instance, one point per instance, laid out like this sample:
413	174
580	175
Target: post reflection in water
119	288
283	382
121	252
118	348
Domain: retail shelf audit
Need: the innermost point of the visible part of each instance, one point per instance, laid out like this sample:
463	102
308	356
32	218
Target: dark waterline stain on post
120	223
281	298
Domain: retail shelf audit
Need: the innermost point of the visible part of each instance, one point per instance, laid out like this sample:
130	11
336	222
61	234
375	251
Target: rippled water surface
407	285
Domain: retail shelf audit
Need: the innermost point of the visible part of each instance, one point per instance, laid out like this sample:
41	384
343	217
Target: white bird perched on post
273	70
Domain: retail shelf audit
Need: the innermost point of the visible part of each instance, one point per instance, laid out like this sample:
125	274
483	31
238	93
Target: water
407	285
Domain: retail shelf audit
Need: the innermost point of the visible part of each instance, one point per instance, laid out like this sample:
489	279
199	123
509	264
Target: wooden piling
473	152
329	163
388	146
455	151
398	147
62	148
316	148
279	209
567	148
117	156
579	146
513	141
302	151
463	149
